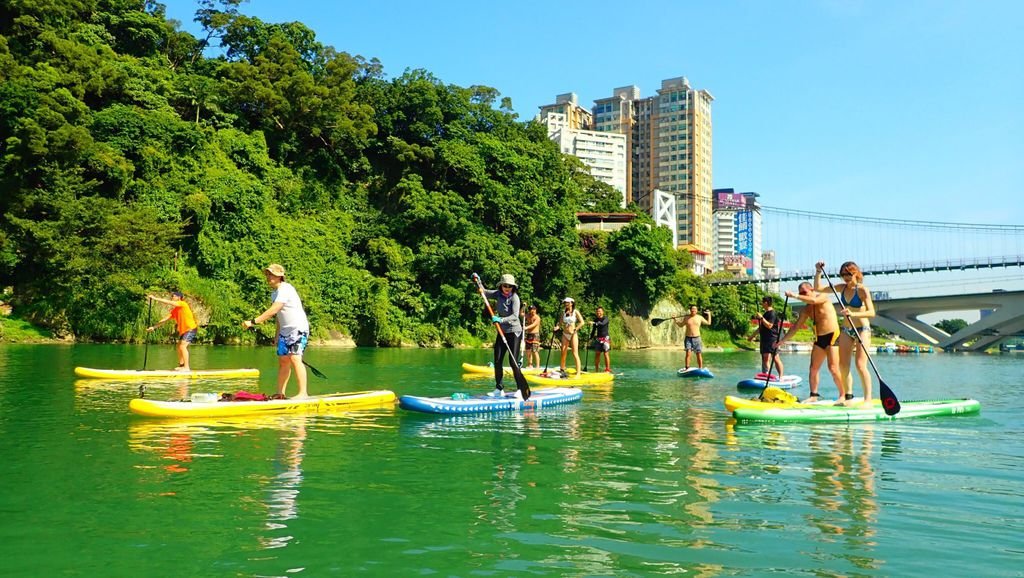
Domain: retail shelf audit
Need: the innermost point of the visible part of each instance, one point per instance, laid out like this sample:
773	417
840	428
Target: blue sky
904	109
872	108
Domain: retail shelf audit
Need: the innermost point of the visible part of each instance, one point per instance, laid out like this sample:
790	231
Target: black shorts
768	345
827	340
533	341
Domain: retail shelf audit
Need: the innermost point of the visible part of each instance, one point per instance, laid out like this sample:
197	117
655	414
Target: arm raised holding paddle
691	340
856	305
185	325
292	329
890	403
510	330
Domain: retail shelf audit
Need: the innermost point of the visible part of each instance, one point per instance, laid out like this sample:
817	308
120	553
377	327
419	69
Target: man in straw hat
507	314
292	329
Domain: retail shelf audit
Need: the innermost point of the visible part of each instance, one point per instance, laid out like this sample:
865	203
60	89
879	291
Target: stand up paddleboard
825	413
758	382
696	372
732	403
555	379
313	404
489	369
155	373
461	404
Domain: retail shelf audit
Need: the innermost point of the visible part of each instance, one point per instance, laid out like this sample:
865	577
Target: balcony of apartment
603	221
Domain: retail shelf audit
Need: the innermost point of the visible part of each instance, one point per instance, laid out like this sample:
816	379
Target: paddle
658	320
314	370
517	372
890	404
586	356
551	345
775	350
149	323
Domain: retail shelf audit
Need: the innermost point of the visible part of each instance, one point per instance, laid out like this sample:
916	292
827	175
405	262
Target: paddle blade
890	404
314	370
521	383
657	321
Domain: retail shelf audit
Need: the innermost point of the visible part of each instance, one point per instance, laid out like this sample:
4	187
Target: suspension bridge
913	269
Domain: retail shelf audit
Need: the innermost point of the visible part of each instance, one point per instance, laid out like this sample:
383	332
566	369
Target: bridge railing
960	264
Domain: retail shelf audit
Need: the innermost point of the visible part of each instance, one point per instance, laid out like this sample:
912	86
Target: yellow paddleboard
489	369
313	404
573	380
732	403
157	373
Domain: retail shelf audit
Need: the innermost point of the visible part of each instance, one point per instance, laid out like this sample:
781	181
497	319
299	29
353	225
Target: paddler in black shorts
826	327
768	332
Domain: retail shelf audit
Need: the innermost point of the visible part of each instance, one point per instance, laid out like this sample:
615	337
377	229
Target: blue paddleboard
483	403
696	372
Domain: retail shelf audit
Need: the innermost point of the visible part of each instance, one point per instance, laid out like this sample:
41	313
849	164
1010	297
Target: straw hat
275	270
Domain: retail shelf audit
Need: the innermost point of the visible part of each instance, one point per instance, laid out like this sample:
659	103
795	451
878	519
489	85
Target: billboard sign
744	222
730	201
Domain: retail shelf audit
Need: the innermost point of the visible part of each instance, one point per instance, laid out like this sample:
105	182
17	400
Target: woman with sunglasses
855	302
570	324
507	315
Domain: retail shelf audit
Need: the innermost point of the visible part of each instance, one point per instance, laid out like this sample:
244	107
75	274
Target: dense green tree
640	263
136	157
951	326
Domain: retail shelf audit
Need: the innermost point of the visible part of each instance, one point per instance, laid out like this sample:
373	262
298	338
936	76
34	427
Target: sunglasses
506	286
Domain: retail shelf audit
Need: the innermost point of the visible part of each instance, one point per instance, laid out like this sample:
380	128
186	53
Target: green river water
645	477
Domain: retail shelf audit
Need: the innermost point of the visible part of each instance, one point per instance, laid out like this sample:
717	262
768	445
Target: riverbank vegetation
135	157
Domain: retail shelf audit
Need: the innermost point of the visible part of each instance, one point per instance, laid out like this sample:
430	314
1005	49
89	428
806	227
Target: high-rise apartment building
681	156
604	153
668	143
616	114
576	117
670	150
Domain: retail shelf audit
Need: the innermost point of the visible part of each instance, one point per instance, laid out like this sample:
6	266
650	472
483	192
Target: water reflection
843	491
181	444
283	488
836	472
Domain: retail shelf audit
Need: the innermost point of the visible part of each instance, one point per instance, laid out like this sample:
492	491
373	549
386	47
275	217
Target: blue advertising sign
744	222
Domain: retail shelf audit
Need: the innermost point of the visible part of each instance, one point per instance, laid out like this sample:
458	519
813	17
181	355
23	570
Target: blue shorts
189	336
693	344
293	344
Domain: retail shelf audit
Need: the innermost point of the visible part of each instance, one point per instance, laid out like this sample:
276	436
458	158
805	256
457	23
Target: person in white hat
570	323
507	315
292	329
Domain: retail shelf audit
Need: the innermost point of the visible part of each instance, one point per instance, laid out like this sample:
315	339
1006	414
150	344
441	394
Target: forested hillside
135	157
